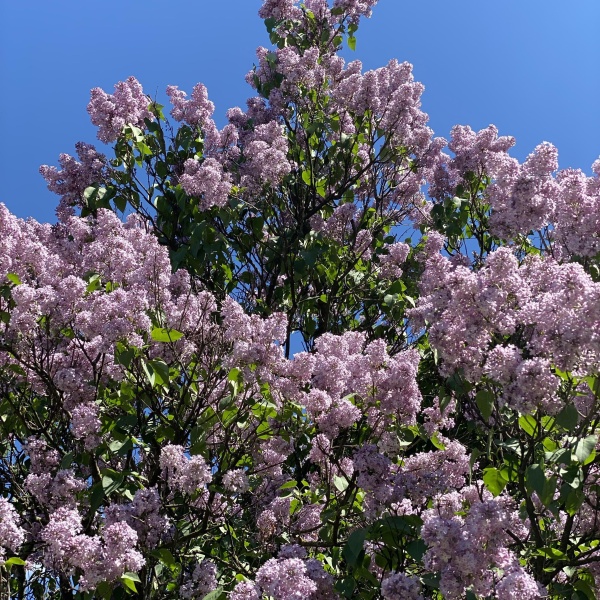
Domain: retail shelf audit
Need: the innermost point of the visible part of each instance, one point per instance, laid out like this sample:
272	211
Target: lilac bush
254	385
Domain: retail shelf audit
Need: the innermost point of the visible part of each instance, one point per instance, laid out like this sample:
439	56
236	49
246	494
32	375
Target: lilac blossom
184	474
207	181
196	111
12	535
285	579
85	424
111	112
398	586
236	480
74	177
201	582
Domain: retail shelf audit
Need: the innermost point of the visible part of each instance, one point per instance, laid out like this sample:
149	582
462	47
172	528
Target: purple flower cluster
196	111
201	582
111	112
74	177
285	579
398	586
468	535
12	534
100	558
184	474
85	424
143	514
207	181
555	305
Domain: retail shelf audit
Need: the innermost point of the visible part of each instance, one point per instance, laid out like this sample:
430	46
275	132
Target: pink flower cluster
398	586
577	219
196	111
552	308
397	254
100	279
111	112
468	535
142	514
74	177
184	474
201	582
287	577
207	181
523	197
101	558
12	535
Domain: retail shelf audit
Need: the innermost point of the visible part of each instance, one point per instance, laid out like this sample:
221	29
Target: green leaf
161	370
94	283
13	278
161	334
535	479
111	480
214	595
573	501
66	461
124	355
353	550
567	418
288	485
15	560
585	448
485	403
529	425
585	589
307	177
346	587
167	559
129	582
550	552
416	549
341	483
435	440
96	497
322	188
494	480
234	378
149	371
352	42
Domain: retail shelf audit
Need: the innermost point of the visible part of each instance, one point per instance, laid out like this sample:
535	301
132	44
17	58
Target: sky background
531	67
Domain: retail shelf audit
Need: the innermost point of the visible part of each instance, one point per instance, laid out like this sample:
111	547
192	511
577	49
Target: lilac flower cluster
397	254
74	177
184	474
201	582
85	424
555	304
196	111
398	586
471	551
101	558
577	218
12	535
130	277
143	514
111	112
523	197
400	487
285	579
207	181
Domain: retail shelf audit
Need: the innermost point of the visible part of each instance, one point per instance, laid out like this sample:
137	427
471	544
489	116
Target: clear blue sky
532	67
